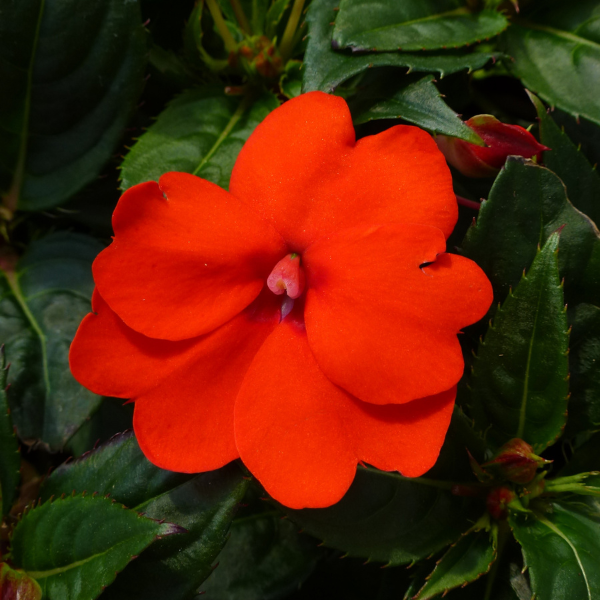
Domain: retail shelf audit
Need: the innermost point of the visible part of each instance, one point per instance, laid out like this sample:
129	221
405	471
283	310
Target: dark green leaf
74	547
10	456
526	204
290	83
467	560
584	362
205	505
274	15
561	548
200	132
414	99
16	585
71	73
568	162
413	25
520	384
324	68
41	306
556	54
265	559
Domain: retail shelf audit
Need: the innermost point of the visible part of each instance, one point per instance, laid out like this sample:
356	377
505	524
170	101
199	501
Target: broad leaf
18	585
556	54
413	25
265	558
200	132
324	68
41	306
584	362
467	560
204	505
71	74
561	548
568	162
414	99
74	547
520	384
526	205
10	456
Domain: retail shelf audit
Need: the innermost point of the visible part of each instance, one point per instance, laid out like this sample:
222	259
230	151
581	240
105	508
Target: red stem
468	203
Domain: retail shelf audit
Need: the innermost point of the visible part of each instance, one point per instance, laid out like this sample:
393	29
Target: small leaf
74	547
265	558
10	456
274	15
413	25
561	548
200	132
569	163
42	304
414	99
290	83
467	560
324	68
71	74
520	384
16	585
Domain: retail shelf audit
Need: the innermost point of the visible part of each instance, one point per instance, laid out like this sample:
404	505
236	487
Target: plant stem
287	41
215	11
240	16
503	537
468	203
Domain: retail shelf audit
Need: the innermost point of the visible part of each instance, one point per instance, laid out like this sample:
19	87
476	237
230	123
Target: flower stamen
287	276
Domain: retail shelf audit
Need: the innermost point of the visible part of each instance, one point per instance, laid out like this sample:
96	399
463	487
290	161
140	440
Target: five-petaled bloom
304	321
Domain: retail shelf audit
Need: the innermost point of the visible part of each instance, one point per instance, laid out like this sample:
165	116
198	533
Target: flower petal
186	257
380	325
302	170
287	427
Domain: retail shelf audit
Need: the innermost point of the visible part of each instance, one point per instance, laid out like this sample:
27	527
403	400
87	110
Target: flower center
287	276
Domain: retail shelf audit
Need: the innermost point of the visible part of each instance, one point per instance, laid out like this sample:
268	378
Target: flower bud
498	500
516	462
501	140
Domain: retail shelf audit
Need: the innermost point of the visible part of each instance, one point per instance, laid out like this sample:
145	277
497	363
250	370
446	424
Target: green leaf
265	558
74	547
520	384
414	99
290	83
526	205
561	548
568	162
10	456
584	363
71	74
412	25
466	560
41	306
204	505
18	585
556	54
274	15
324	68
200	132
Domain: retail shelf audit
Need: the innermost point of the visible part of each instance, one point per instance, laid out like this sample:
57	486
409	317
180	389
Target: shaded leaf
18	585
41	306
274	15
290	83
200	132
74	547
71	74
10	456
413	25
324	68
520	384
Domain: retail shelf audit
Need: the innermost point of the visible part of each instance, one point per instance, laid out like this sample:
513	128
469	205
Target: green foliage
10	456
413	25
41	305
520	384
71	74
200	132
74	547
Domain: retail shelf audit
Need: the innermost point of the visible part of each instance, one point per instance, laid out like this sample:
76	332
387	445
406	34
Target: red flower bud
516	461
501	140
498	500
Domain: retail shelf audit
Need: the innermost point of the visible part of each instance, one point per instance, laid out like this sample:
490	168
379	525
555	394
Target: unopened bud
498	500
501	140
516	462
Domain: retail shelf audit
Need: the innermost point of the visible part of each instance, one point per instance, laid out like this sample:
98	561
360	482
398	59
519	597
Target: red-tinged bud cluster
501	140
498	500
258	55
516	462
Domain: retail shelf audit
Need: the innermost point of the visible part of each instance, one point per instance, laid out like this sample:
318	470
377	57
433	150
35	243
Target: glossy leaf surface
41	305
520	384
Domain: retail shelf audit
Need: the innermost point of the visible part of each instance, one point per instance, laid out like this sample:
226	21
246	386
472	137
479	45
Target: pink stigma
287	276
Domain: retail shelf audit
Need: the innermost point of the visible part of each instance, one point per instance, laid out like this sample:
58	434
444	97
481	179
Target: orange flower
364	363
